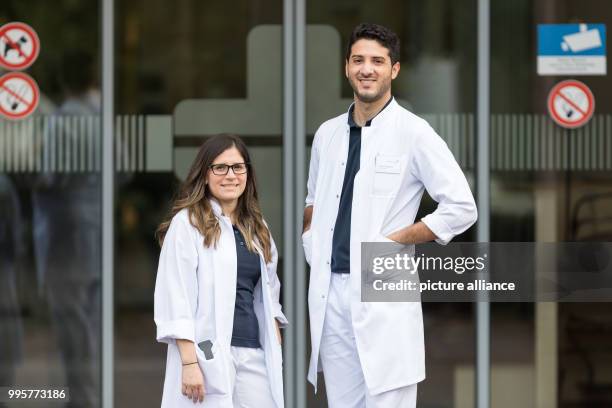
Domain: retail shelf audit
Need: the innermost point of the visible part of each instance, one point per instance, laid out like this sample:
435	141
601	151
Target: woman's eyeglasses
223	169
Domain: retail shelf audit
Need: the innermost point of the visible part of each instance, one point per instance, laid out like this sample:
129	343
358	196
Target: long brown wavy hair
195	195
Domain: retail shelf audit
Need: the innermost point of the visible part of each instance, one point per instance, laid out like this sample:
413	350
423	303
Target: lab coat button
322	296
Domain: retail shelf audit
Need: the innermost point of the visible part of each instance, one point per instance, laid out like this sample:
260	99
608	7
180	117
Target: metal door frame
294	183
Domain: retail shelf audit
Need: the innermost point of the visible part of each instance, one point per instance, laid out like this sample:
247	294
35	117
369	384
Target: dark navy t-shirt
246	328
341	249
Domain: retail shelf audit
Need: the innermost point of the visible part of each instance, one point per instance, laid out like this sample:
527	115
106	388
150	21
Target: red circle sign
571	104
19	46
19	95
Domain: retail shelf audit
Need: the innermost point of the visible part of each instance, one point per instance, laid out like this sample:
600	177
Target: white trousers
250	379
344	381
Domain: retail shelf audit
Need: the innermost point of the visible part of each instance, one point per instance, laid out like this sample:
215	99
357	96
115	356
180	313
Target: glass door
548	184
183	74
437	81
50	202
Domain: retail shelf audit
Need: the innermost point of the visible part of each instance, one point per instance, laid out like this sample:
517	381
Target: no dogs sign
19	46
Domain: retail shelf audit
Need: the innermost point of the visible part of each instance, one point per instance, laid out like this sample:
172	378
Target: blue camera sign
571	49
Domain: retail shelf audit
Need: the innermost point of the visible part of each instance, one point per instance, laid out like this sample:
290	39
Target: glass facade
546	353
50	221
198	68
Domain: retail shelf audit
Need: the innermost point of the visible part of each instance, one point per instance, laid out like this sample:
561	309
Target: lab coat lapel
373	136
225	271
267	331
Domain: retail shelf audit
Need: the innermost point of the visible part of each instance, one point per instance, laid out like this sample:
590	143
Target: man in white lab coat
369	168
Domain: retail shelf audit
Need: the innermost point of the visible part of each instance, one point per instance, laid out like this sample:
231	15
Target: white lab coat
195	295
401	156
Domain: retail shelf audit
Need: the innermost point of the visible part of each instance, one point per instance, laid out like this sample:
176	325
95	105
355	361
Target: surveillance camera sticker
572	49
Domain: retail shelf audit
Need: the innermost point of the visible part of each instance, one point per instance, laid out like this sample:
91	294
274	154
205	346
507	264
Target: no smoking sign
19	95
571	104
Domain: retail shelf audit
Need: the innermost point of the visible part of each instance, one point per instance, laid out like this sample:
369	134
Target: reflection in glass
50	221
66	219
548	184
11	248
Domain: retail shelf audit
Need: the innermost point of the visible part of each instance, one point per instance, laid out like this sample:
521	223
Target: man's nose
367	68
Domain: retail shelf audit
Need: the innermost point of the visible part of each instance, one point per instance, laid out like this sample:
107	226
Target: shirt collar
216	207
351	121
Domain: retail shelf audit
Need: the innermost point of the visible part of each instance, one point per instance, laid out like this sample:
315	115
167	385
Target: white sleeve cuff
175	329
281	319
439	228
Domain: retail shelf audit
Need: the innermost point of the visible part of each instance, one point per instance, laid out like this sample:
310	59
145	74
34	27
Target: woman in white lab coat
217	292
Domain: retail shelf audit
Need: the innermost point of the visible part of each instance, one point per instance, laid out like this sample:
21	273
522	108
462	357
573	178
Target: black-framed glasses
222	169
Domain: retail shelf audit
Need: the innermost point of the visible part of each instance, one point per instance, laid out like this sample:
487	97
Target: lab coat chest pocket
388	169
213	363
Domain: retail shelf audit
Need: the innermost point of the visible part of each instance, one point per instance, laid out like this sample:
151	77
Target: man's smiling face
370	71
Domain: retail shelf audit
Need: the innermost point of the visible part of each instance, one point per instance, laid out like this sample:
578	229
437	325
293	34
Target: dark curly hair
381	34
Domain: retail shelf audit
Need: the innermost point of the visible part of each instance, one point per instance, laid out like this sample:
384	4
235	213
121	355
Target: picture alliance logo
412	264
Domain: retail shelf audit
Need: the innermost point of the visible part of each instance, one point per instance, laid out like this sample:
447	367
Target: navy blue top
246	328
341	249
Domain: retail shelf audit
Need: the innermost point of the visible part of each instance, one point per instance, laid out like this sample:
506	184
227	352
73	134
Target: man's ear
395	69
346	68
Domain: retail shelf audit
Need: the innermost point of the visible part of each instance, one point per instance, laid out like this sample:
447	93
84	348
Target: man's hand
307	218
415	234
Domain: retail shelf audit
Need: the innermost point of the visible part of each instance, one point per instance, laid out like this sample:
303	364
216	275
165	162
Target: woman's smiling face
229	187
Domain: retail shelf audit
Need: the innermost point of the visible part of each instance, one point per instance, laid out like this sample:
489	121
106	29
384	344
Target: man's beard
385	86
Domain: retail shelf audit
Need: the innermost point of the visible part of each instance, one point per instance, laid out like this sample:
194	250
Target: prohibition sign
571	104
19	46
19	95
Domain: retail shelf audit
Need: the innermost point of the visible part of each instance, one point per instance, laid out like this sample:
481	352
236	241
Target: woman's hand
278	332
193	379
193	383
